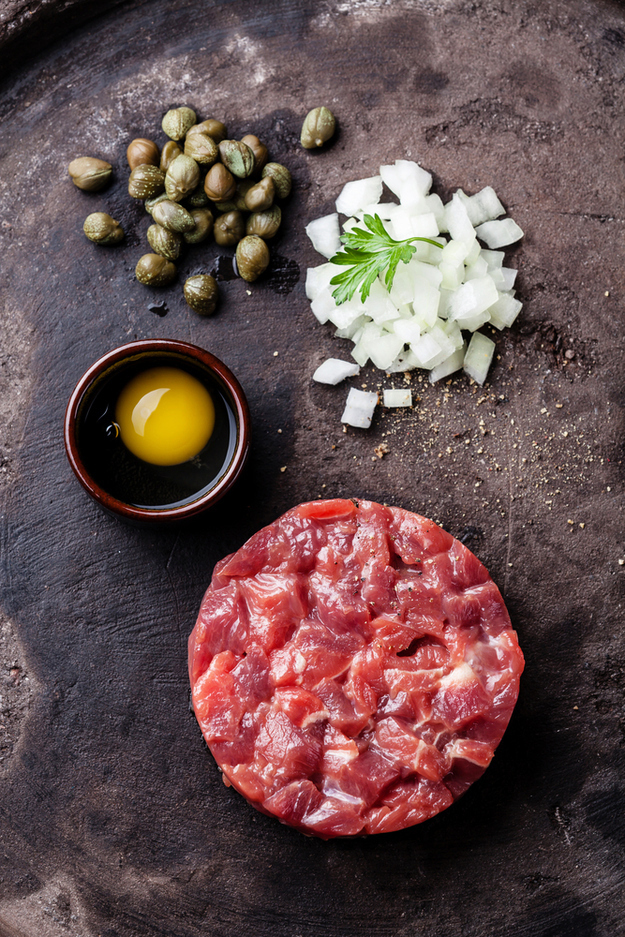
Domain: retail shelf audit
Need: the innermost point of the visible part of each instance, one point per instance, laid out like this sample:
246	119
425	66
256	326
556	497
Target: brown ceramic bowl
132	489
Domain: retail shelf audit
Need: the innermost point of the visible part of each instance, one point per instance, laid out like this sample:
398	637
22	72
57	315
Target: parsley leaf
368	254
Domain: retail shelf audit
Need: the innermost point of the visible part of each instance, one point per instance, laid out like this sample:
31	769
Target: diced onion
358	194
333	371
397	398
439	294
325	235
359	408
478	357
499	233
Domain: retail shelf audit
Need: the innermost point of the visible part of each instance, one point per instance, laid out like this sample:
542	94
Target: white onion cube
325	234
453	363
478	357
323	305
384	351
483	206
359	193
504	311
499	233
333	371
472	298
318	279
359	408
458	221
398	398
509	277
408	330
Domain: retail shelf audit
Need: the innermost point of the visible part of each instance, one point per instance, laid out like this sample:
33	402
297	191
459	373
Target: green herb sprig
368	254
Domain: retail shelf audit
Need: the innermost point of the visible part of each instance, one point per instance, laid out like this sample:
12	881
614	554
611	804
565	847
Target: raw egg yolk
165	416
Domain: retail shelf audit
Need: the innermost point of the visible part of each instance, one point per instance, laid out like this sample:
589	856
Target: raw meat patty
353	668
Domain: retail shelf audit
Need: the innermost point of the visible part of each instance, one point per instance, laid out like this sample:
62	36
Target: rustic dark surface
113	817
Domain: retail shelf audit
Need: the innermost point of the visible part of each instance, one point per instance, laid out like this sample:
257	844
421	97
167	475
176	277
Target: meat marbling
353	668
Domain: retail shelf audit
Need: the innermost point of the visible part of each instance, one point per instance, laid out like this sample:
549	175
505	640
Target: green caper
219	184
102	229
264	223
141	152
168	154
229	229
214	128
173	216
198	198
237	157
261	154
149	203
318	128
178	121
260	197
182	178
202	148
154	270
223	207
166	243
202	293
281	178
252	257
203	219
146	181
243	187
90	174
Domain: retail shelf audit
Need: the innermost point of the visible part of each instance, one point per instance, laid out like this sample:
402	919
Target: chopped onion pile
442	291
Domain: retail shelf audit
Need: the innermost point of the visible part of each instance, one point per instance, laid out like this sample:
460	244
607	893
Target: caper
141	152
229	229
202	293
281	178
145	182
318	128
149	203
261	154
198	198
223	207
203	219
90	174
169	153
178	121
237	157
219	184
181	178
260	196
202	148
252	256
154	270
102	229
214	128
173	216
166	243
264	223
243	187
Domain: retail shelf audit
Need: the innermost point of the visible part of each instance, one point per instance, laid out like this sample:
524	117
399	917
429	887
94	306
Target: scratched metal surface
113	817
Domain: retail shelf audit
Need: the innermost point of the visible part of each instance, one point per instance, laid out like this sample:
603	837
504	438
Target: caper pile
201	184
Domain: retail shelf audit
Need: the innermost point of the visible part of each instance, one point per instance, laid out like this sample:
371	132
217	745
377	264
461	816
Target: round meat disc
353	668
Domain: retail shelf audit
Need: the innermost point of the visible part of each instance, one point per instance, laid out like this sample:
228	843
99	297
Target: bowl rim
164	346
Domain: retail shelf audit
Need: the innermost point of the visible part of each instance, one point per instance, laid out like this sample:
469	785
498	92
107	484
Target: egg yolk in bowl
165	416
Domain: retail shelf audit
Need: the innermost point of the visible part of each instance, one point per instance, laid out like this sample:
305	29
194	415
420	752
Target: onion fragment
359	408
333	371
478	357
397	398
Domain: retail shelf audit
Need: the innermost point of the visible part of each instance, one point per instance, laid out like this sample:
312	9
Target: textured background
113	817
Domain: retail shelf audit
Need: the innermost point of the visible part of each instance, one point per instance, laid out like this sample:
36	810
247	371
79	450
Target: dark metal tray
113	817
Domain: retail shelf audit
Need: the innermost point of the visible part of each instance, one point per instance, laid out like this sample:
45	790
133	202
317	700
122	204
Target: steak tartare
353	668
